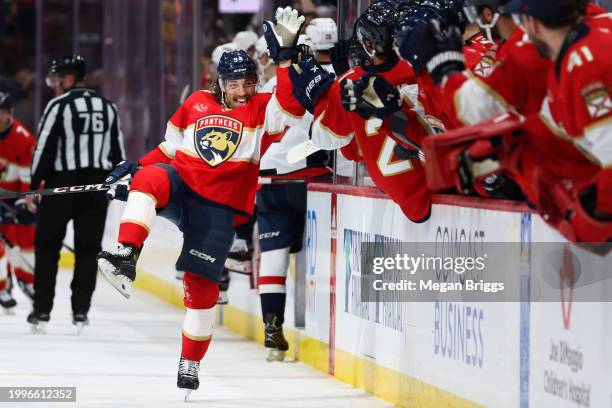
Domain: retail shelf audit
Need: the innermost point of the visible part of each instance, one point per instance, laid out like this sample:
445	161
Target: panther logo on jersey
216	138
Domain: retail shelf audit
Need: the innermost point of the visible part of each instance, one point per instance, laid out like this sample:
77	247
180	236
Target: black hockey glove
24	213
339	55
310	82
440	51
118	180
370	96
282	36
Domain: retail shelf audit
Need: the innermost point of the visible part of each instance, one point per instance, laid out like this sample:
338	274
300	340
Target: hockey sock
271	283
273	304
150	189
200	299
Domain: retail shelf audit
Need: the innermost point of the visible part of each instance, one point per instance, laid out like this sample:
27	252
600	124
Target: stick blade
301	151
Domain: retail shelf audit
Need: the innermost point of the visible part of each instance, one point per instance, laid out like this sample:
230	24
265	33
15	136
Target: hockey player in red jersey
17	245
476	51
567	172
339	121
203	177
563	161
517	79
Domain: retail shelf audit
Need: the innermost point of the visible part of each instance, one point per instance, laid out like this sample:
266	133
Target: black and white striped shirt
79	130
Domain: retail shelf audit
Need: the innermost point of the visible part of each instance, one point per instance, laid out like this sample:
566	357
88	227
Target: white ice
128	357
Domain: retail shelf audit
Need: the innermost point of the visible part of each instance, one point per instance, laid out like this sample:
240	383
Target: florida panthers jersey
516	80
16	150
274	163
216	150
333	128
578	110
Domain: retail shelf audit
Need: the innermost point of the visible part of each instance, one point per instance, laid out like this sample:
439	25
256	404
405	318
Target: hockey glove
370	96
282	37
310	82
118	180
25	212
441	51
339	55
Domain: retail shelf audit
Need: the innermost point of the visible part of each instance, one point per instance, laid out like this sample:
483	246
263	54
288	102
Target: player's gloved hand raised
370	96
118	180
440	51
310	82
282	36
339	55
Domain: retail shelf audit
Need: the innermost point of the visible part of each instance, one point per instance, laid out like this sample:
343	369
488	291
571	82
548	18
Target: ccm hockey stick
87	188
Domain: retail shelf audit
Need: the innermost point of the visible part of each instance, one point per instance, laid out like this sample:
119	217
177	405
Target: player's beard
541	46
236	101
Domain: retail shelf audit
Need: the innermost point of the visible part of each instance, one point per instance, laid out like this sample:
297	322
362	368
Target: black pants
88	212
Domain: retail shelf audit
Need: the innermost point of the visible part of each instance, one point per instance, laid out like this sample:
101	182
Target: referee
79	142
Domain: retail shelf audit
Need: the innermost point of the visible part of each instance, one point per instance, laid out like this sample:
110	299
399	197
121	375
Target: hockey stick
87	188
302	151
11	244
269	180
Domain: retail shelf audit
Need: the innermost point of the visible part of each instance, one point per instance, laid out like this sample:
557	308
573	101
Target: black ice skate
223	288
38	322
187	379
80	320
240	257
275	342
119	267
6	301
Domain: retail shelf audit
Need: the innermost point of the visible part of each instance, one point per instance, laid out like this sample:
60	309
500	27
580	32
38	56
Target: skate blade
119	282
79	328
9	311
223	298
38	328
273	354
186	393
244	267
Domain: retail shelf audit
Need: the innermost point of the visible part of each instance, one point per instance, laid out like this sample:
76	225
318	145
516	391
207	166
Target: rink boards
412	354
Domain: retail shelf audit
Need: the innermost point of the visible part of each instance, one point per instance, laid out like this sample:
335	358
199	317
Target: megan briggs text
442	287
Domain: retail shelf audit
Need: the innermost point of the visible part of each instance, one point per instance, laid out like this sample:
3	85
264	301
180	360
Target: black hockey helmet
454	14
235	65
6	101
69	64
374	27
408	22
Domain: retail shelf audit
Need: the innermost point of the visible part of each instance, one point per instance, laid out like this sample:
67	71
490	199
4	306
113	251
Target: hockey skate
223	288
187	379
240	257
119	267
38	322
80	320
7	302
275	342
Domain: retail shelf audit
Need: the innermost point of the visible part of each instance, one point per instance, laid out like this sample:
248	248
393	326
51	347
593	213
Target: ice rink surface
128	357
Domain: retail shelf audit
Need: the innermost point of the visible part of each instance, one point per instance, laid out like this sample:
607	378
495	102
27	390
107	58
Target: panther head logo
219	143
216	138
